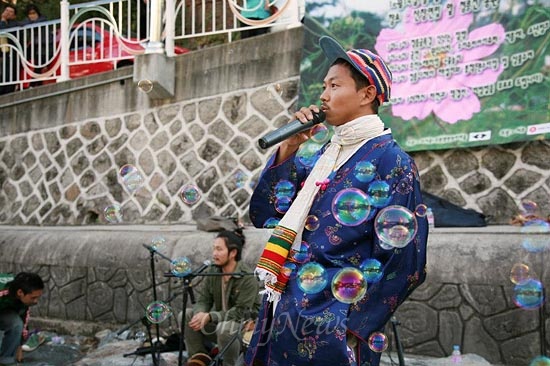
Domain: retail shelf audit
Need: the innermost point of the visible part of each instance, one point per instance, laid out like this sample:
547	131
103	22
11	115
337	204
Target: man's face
29	299
8	14
220	255
340	100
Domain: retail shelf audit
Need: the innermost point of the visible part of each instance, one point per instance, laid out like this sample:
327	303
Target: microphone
204	266
154	250
289	129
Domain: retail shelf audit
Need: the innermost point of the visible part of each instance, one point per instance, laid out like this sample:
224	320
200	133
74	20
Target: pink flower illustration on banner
436	64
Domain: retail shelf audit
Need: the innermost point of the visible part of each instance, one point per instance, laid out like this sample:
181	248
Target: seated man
24	291
223	302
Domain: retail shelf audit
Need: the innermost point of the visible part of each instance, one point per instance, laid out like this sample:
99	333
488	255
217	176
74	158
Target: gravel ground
106	349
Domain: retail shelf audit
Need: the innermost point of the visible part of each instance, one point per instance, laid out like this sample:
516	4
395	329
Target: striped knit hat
367	63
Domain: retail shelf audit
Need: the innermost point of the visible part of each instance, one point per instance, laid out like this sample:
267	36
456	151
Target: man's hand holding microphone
293	134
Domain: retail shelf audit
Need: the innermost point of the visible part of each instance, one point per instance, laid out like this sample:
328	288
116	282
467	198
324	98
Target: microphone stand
394	324
154	354
219	357
188	294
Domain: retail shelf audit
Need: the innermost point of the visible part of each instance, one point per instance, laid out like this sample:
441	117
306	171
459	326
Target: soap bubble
529	207
421	210
364	171
312	278
319	133
350	207
131	178
395	226
379	193
535	239
378	342
113	213
372	270
181	266
312	223
158	242
528	294
240	179
282	204
519	273
349	285
301	255
157	312
289	270
284	188
308	153
540	361
271	222
190	194
145	85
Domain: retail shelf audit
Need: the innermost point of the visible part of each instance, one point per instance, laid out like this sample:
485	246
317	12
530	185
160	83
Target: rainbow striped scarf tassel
270	265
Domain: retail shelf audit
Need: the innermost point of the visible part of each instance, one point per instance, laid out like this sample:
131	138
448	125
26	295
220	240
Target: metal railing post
170	27
64	44
155	30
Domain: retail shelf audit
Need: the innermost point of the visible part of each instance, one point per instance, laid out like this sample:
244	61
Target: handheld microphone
289	129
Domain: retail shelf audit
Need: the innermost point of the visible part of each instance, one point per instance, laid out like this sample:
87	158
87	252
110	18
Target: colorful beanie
367	63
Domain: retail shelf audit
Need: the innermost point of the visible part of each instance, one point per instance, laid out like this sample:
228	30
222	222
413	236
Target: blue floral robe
312	329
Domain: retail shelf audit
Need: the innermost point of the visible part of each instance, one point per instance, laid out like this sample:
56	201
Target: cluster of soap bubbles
158	311
528	291
131	178
349	285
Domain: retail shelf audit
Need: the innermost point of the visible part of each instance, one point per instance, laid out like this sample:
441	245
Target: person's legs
12	326
226	332
194	341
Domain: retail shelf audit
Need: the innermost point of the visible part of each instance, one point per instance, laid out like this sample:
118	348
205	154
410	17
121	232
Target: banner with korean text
465	72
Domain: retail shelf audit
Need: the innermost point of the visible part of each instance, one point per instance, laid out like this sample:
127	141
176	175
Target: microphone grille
207	262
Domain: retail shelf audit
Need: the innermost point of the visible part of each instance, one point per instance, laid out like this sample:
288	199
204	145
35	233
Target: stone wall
493	180
99	276
68	175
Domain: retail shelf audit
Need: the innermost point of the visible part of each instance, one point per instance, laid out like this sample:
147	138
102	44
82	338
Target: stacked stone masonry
68	175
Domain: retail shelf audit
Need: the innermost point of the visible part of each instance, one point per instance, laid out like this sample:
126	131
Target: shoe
33	342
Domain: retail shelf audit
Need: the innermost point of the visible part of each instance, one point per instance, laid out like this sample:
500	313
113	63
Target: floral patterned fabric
316	328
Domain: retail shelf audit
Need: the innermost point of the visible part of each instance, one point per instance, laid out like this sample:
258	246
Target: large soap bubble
312	278
365	171
528	294
350	207
131	178
190	194
378	342
372	270
181	266
157	312
395	226
349	285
